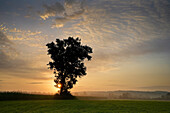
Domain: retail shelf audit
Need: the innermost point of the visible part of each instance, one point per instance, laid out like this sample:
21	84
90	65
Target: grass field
85	106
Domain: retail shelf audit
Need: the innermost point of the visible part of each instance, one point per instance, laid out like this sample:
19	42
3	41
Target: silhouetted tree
67	61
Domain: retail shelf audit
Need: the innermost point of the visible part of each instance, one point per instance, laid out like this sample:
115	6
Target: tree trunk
62	85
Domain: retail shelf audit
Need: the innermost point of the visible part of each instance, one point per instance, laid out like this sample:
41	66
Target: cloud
118	30
20	52
3	28
28	32
35	83
7	52
19	34
63	13
3	39
156	87
34	33
15	30
6	49
52	10
13	63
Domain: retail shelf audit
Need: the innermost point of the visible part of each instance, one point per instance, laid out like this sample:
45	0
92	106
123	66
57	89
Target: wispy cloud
121	29
6	48
156	87
35	83
53	10
68	11
16	60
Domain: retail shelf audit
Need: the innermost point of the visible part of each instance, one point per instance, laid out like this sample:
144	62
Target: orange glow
59	85
58	89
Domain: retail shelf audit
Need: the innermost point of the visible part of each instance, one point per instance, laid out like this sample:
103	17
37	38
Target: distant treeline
86	96
149	95
24	96
28	96
165	97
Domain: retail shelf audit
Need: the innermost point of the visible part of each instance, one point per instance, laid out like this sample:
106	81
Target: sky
130	41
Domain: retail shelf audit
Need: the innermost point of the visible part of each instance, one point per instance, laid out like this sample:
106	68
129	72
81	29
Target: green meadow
84	106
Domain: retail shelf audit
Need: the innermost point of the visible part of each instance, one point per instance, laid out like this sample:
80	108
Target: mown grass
84	106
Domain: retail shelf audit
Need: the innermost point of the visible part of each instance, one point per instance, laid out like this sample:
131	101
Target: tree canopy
67	61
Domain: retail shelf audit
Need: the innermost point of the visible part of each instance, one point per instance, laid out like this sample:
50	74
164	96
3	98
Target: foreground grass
89	106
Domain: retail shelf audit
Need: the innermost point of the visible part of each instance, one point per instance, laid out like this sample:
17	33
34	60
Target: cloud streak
52	10
63	13
156	87
13	63
35	83
118	30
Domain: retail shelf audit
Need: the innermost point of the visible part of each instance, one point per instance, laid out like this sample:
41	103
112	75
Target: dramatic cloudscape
130	41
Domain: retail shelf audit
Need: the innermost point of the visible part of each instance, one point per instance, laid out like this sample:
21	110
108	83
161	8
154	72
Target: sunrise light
59	85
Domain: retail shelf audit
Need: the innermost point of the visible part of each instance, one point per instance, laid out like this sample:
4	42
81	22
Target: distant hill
124	94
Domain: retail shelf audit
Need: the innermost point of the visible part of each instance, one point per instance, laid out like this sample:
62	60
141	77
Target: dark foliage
67	61
24	96
64	96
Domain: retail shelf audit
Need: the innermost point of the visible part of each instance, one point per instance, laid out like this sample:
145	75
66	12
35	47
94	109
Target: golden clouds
15	30
52	10
18	34
45	16
118	30
63	13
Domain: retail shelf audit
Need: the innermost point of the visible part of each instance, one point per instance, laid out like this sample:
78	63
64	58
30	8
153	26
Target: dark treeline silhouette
158	95
67	62
29	96
24	96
